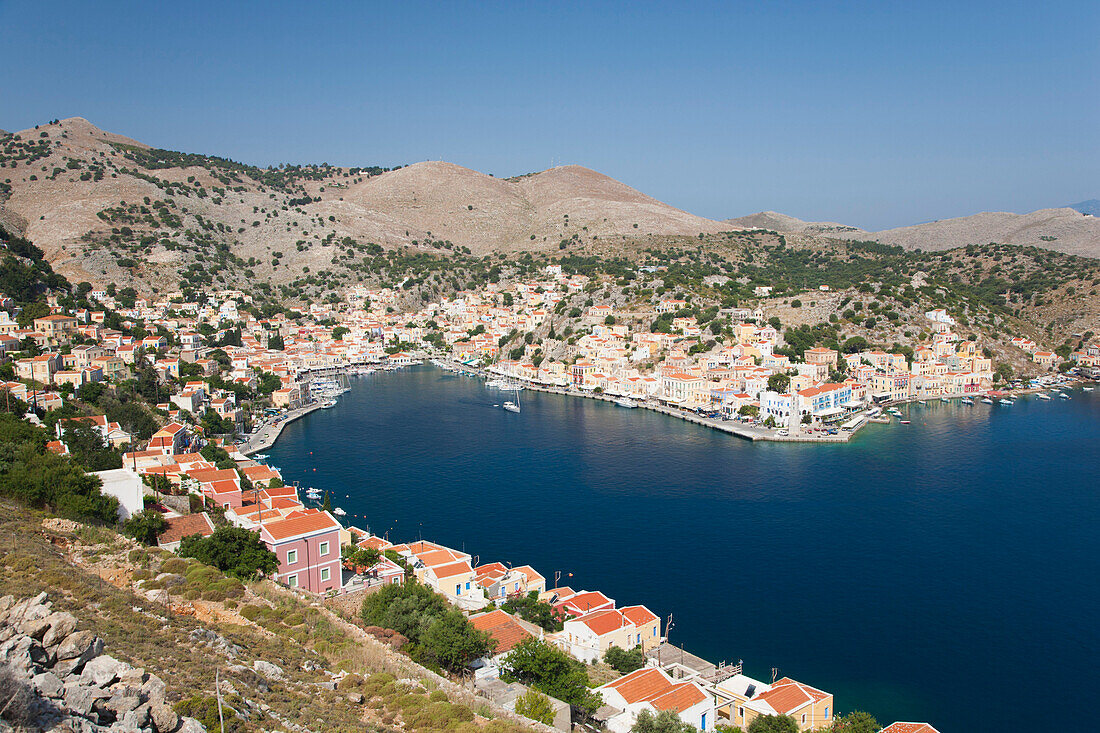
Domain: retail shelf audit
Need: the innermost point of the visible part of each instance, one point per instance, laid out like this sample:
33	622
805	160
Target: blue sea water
944	571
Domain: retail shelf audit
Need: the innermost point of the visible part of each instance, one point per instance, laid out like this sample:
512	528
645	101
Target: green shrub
205	710
252	612
536	706
438	696
175	565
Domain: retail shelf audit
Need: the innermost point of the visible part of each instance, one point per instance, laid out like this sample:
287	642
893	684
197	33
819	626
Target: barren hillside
782	223
1063	230
105	207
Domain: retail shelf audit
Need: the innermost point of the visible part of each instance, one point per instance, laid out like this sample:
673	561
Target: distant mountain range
108	208
1074	230
89	198
1090	207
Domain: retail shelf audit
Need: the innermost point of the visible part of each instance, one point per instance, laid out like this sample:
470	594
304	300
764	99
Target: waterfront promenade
267	433
747	432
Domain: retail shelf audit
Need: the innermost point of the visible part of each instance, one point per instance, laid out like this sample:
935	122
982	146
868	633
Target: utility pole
218	692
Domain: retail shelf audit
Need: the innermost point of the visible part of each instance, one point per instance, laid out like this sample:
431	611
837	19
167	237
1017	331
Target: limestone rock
102	671
82	645
48	684
35	628
133	677
22	652
190	725
267	669
62	624
80	698
164	717
138	718
154	689
120	704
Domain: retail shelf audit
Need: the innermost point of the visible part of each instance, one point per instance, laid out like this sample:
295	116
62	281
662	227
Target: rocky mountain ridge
1064	230
106	208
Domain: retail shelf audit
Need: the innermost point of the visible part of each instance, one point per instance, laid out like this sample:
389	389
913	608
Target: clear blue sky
875	114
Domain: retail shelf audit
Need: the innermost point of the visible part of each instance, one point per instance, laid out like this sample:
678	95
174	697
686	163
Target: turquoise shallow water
945	570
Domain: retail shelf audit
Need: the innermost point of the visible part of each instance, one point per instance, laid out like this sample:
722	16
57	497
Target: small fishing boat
1063	395
626	402
339	512
328	404
967	401
1088	389
986	401
260	457
944	399
905	422
1043	396
1007	401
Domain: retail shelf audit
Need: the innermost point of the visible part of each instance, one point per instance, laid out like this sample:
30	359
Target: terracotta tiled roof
813	692
642	684
185	526
530	573
207	475
679	698
221	487
909	728
310	521
259	473
437	557
374	542
502	627
639	615
603	622
273	491
785	699
451	570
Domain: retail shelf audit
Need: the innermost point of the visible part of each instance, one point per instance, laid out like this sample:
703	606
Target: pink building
308	546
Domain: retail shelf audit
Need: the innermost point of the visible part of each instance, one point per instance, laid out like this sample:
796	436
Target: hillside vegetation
283	664
105	210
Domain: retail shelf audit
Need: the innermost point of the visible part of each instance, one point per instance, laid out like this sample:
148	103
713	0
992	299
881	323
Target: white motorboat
626	402
986	401
339	512
1043	396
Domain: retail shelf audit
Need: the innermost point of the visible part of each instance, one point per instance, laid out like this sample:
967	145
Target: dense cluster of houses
673	367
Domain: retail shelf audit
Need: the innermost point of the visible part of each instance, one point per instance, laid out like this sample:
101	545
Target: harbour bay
919	572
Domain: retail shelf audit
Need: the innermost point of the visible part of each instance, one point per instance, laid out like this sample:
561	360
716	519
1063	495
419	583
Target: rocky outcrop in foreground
56	678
